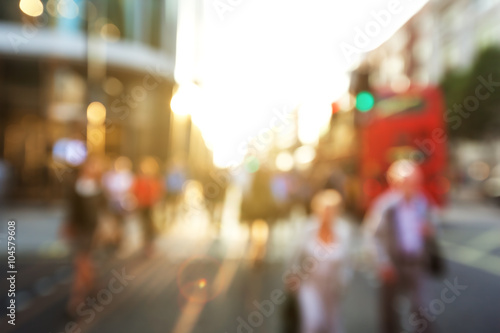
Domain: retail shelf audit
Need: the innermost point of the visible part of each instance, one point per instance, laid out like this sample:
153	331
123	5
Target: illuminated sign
393	105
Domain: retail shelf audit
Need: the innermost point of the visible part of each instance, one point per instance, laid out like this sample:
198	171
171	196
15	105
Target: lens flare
196	279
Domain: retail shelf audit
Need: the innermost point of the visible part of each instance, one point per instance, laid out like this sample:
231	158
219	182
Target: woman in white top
321	266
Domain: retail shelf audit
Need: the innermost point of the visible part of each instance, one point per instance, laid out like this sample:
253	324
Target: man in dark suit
401	230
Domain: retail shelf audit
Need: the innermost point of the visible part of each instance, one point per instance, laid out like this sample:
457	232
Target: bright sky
257	55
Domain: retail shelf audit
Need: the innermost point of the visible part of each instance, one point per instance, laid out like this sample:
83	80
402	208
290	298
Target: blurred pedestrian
401	229
147	189
175	178
258	202
280	190
5	175
259	235
321	267
118	184
215	194
86	203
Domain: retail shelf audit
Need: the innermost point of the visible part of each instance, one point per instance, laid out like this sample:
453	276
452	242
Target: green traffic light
252	164
364	101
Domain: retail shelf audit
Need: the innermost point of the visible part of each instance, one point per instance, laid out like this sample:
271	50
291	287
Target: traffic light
365	101
360	88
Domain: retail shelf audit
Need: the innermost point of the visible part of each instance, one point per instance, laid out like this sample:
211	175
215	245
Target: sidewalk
37	226
38	230
470	213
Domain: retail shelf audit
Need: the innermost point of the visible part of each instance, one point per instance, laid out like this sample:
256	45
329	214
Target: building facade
52	66
444	35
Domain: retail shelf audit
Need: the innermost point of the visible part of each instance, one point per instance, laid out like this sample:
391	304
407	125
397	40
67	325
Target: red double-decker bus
403	125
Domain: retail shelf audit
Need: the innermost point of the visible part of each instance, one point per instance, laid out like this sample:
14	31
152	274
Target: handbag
291	313
435	262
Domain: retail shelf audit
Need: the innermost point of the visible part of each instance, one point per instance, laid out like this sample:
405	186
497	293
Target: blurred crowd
399	246
399	237
101	197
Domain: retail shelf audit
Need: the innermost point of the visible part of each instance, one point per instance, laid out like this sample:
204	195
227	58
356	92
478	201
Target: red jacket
147	191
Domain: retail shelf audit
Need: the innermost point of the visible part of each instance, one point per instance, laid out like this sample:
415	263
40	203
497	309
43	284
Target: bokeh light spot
252	164
31	7
364	101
